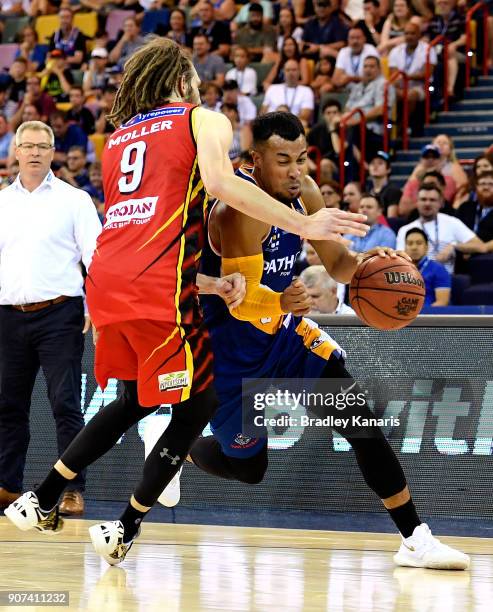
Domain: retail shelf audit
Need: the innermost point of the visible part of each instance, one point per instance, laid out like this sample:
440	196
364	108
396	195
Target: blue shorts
300	349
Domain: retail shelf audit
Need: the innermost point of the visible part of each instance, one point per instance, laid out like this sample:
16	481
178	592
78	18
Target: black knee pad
251	470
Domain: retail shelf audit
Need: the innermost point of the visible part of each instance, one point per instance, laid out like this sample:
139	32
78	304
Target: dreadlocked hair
149	78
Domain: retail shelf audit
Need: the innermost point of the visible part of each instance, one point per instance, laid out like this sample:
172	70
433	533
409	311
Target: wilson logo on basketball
406	305
393	278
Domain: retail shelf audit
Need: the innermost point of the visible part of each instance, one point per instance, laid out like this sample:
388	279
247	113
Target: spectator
331	193
393	29
13	171
95	188
217	32
34	95
75	172
410	58
17	80
350	60
211	97
31	50
288	27
56	78
476	213
351	195
380	185
79	113
66	136
372	22
378	234
368	95
178	28
42	314
246	108
482	163
311	255
451	23
6	137
129	42
243	15
323	289
325	136
105	105
430	161
435	177
449	164
7	106
255	35
325	33
445	233
245	76
209	67
30	113
290	50
438	282
96	77
298	98
69	40
322	79
242	135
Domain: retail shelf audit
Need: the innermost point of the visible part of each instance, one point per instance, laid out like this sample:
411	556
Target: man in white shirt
46	229
350	60
246	108
410	57
445	234
323	290
297	98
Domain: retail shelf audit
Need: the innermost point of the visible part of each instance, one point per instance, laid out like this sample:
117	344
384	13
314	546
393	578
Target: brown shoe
6	497
72	503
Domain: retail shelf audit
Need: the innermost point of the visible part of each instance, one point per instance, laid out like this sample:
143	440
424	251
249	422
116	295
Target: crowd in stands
318	59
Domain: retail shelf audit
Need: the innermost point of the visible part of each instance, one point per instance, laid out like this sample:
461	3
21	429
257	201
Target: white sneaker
107	539
423	550
171	494
26	514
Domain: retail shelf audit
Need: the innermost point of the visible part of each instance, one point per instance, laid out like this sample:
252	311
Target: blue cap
431	149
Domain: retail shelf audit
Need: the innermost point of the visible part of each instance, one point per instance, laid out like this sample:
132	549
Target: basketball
387	293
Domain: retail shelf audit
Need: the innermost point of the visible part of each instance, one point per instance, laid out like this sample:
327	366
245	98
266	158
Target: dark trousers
51	338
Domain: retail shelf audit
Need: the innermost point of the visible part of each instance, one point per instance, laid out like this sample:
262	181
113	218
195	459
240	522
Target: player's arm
213	133
230	288
240	242
339	262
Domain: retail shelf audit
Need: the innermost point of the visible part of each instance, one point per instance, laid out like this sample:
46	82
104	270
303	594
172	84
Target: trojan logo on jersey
137	211
174	380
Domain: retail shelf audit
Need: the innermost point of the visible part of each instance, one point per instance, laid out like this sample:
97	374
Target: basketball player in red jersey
158	166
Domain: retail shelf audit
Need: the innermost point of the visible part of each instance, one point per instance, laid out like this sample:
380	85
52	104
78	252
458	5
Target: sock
131	519
405	517
50	490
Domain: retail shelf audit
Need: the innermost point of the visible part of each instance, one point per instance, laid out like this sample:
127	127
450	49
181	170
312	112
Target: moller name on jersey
138	212
145	130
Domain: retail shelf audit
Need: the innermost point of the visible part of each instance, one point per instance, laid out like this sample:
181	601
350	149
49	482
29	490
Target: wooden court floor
193	567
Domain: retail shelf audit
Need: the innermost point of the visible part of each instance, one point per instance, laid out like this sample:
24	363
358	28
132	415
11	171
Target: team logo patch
174	380
242	440
317	342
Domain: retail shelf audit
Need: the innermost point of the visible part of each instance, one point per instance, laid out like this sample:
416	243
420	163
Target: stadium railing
479	6
405	111
441	39
362	145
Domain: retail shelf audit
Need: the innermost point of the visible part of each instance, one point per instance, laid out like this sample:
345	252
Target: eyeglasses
42	147
327	192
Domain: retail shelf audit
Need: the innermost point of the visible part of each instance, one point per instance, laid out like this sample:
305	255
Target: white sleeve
269	99
340	61
461	232
394	58
251	81
308	100
87	227
401	238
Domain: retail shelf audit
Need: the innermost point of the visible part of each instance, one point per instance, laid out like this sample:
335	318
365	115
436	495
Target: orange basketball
387	293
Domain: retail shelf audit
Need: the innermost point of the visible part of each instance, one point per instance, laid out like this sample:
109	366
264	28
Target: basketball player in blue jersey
266	336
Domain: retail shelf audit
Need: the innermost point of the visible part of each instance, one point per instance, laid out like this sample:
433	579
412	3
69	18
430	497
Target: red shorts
169	363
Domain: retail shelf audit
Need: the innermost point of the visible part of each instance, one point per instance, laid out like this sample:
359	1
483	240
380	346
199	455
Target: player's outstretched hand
232	289
383	252
295	299
330	223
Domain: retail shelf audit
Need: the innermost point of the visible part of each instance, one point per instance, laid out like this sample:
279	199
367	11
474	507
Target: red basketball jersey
145	263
